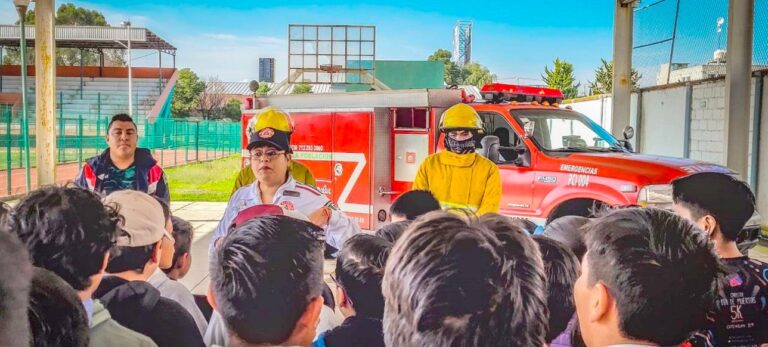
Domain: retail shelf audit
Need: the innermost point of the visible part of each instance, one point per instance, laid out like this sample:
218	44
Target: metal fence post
62	134
8	163
197	141
186	142
80	141
98	104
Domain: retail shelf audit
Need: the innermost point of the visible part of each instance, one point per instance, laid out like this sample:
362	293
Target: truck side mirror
490	148
628	132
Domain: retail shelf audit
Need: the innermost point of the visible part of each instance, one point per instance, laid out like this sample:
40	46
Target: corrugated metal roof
69	36
241	88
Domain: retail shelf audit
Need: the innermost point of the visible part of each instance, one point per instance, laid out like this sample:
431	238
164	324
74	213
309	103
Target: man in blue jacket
123	166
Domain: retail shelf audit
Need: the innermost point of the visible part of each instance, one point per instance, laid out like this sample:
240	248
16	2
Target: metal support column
2	48
82	63
757	112
160	68
22	9
738	78
45	92
622	66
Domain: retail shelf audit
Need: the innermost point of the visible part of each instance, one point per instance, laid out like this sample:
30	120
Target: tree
211	100
603	83
303	88
452	73
232	109
69	14
477	75
264	89
472	73
186	96
561	77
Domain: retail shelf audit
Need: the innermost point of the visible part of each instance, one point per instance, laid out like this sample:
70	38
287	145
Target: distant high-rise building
267	70
462	43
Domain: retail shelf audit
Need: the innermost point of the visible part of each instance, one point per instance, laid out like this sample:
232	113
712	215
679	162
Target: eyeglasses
268	155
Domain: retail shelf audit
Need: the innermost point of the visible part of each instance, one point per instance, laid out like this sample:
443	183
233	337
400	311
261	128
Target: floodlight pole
21	8
127	25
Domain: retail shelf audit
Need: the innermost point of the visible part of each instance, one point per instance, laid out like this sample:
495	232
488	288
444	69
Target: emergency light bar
499	92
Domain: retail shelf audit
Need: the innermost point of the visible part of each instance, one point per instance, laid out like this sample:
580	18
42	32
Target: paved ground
204	216
67	172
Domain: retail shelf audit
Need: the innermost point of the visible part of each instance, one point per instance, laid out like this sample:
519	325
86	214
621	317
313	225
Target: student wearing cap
131	300
270	155
275	118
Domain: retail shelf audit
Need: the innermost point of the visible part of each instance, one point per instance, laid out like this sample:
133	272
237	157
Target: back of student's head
56	315
562	268
265	274
142	229
529	324
724	197
413	204
182	234
392	231
524	224
659	268
359	270
448	283
568	231
4	210
15	271
67	231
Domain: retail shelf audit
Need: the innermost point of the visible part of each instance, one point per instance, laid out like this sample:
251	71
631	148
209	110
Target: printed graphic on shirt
741	315
117	179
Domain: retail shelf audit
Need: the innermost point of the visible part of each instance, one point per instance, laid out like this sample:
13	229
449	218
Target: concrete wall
663	119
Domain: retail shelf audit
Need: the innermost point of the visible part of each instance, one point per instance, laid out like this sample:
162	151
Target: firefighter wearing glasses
273	117
458	176
270	155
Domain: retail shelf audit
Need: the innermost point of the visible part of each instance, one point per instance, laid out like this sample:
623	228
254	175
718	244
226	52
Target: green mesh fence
79	137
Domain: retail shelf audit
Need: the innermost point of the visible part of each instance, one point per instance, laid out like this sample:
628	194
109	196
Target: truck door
516	178
352	138
411	143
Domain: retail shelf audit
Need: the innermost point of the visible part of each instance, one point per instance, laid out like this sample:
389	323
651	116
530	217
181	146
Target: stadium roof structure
99	37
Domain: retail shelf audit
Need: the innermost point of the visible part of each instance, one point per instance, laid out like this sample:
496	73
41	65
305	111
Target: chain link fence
685	40
172	142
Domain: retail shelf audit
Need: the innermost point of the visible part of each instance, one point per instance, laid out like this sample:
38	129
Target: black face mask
459	147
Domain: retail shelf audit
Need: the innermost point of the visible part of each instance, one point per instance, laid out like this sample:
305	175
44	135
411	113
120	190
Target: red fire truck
364	148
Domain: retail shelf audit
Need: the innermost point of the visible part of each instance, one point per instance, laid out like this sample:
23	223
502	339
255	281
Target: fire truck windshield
558	130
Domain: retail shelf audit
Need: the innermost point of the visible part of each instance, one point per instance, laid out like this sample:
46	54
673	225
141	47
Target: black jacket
138	306
354	332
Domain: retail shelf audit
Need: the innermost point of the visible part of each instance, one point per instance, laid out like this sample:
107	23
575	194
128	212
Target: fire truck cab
364	149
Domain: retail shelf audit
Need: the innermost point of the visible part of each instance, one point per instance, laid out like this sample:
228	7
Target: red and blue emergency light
500	92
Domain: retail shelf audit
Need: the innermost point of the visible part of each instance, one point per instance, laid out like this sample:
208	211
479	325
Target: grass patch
208	181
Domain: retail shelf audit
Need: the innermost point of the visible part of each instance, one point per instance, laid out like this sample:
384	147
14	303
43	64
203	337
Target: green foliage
303	88
263	89
186	97
207	181
603	83
70	14
232	109
472	73
561	77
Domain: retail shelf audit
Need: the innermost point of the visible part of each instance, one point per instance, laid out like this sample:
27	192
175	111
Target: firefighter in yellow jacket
458	176
277	119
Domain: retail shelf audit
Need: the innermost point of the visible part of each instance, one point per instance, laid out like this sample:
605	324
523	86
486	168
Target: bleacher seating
105	96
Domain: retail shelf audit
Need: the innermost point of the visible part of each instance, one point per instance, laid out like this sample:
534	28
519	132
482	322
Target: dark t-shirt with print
741	314
117	179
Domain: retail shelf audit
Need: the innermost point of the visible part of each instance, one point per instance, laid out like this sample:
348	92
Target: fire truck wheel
577	207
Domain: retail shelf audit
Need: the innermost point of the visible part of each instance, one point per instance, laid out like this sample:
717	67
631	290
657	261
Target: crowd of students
100	267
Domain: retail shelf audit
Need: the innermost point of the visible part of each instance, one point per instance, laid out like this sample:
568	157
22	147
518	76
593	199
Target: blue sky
515	39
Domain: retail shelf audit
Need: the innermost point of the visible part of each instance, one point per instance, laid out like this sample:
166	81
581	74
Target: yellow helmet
460	116
272	117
